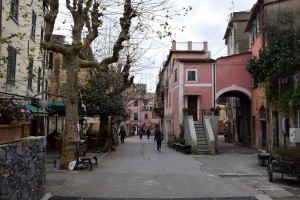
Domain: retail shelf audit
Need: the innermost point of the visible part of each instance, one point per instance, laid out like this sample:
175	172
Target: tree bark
71	134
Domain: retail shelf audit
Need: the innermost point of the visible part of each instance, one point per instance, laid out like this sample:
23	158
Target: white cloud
207	21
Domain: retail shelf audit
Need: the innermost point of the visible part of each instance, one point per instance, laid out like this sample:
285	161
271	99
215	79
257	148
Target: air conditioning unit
295	135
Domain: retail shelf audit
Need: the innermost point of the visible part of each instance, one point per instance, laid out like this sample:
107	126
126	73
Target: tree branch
125	23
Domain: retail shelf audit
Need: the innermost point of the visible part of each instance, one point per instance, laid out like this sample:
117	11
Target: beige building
22	59
23	75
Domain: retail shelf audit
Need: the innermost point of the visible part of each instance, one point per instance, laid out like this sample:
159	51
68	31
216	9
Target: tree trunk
105	133
71	137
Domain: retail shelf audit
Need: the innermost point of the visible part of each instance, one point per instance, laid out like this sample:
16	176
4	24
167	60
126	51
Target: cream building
23	65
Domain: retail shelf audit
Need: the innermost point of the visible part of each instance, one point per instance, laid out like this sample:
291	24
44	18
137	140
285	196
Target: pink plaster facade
141	112
192	80
231	75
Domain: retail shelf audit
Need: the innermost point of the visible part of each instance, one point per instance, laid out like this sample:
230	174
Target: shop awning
33	109
57	107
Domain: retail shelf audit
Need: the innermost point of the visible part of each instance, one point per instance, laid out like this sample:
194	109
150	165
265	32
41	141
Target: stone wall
22	167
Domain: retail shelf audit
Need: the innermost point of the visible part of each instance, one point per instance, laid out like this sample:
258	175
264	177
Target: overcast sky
207	21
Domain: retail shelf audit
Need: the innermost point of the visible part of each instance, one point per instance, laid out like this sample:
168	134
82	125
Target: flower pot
10	133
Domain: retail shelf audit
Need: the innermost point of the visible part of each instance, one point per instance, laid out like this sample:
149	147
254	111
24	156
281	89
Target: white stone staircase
202	143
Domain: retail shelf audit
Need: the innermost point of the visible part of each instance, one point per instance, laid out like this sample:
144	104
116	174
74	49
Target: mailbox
295	135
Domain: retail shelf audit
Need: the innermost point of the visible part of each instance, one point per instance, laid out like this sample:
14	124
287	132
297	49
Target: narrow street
137	170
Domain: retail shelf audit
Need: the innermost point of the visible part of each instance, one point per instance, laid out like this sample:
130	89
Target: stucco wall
22	166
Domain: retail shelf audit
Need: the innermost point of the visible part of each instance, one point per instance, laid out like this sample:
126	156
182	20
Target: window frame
187	75
11	66
175	75
136	103
14	10
135	116
30	74
33	25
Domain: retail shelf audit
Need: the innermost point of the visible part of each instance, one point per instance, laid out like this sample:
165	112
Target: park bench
82	157
183	148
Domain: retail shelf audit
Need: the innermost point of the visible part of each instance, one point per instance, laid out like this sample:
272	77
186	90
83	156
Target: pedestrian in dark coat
141	132
158	137
122	134
148	133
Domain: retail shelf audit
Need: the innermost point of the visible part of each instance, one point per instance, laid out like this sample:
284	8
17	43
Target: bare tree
88	17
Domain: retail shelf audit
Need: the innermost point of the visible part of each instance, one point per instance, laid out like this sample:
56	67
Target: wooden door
192	106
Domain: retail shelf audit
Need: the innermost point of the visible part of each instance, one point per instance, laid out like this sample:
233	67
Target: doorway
192	106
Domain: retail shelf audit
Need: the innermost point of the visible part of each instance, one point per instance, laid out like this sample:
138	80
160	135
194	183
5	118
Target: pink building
141	108
192	83
185	84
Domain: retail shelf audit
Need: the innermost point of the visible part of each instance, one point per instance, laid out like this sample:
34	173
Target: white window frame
187	72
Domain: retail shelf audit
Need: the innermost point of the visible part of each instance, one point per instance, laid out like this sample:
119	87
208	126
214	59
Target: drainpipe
214	83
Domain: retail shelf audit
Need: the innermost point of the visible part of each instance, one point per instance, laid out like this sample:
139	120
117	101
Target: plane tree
87	18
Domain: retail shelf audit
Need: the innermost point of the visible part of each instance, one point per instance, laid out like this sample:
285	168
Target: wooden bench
183	148
82	157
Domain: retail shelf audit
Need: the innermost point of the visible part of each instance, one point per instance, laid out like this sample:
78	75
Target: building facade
141	110
186	78
269	124
23	70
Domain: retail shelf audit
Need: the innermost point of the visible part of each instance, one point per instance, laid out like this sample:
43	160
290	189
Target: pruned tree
87	18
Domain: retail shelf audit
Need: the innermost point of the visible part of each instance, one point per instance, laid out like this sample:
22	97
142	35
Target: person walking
158	137
148	133
122	134
141	132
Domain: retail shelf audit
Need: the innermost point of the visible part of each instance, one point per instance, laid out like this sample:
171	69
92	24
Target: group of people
158	135
142	132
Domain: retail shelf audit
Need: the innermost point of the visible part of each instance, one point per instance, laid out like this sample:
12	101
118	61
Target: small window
11	65
39	80
30	74
146	116
135	116
191	75
33	25
42	35
136	103
14	9
175	75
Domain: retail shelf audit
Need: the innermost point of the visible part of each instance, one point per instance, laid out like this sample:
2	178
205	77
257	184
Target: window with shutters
175	75
14	9
135	116
33	25
30	74
11	66
39	80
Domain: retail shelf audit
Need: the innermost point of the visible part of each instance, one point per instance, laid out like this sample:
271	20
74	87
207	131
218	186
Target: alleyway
137	170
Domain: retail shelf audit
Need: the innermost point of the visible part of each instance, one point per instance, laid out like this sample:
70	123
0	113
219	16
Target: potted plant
10	110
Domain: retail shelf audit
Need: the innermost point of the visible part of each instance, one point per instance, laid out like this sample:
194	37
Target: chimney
205	46
173	45
190	46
